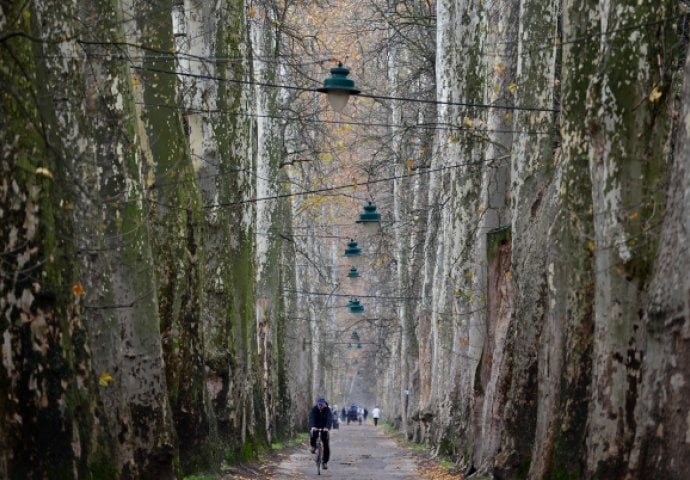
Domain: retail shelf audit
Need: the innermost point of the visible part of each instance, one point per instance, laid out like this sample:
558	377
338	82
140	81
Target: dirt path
357	452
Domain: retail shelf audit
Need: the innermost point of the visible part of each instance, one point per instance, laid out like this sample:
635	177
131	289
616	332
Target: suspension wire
311	89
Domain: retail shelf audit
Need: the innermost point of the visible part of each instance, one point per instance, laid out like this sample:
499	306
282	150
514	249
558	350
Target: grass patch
298	440
447	464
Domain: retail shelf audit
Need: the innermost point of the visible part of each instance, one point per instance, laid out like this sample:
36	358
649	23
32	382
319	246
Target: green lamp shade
352	249
339	87
369	214
355	307
353	273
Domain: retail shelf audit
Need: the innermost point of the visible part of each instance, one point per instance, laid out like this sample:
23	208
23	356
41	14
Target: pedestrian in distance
352	414
376	414
320	422
334	414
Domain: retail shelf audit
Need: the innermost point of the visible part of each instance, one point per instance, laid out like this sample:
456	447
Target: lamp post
339	88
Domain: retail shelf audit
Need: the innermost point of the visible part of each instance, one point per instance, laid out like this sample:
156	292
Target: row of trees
539	243
143	305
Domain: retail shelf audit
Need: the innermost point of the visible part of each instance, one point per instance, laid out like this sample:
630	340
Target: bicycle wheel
318	458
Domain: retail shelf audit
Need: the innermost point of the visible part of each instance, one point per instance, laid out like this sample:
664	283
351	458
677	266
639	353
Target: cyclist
321	417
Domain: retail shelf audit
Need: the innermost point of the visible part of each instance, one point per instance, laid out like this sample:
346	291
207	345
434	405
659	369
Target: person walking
375	414
320	421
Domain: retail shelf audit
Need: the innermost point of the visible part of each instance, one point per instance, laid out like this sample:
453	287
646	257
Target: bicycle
318	454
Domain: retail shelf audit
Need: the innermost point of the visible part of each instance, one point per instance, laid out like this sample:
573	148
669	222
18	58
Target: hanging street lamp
352	249
353	252
370	218
355	307
339	88
369	214
353	273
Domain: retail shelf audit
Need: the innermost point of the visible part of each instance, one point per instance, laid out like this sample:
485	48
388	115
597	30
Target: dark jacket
321	419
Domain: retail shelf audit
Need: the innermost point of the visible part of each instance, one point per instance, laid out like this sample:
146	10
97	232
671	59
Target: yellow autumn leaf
499	68
512	88
415	218
453	138
591	246
78	290
509	275
44	171
252	12
655	95
457	293
508	117
150	179
497	88
105	379
633	216
467	122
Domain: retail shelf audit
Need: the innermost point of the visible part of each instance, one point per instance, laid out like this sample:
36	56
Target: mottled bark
100	190
47	388
629	129
662	443
133	202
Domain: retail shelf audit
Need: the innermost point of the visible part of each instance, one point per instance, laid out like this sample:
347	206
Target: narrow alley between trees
357	452
473	214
